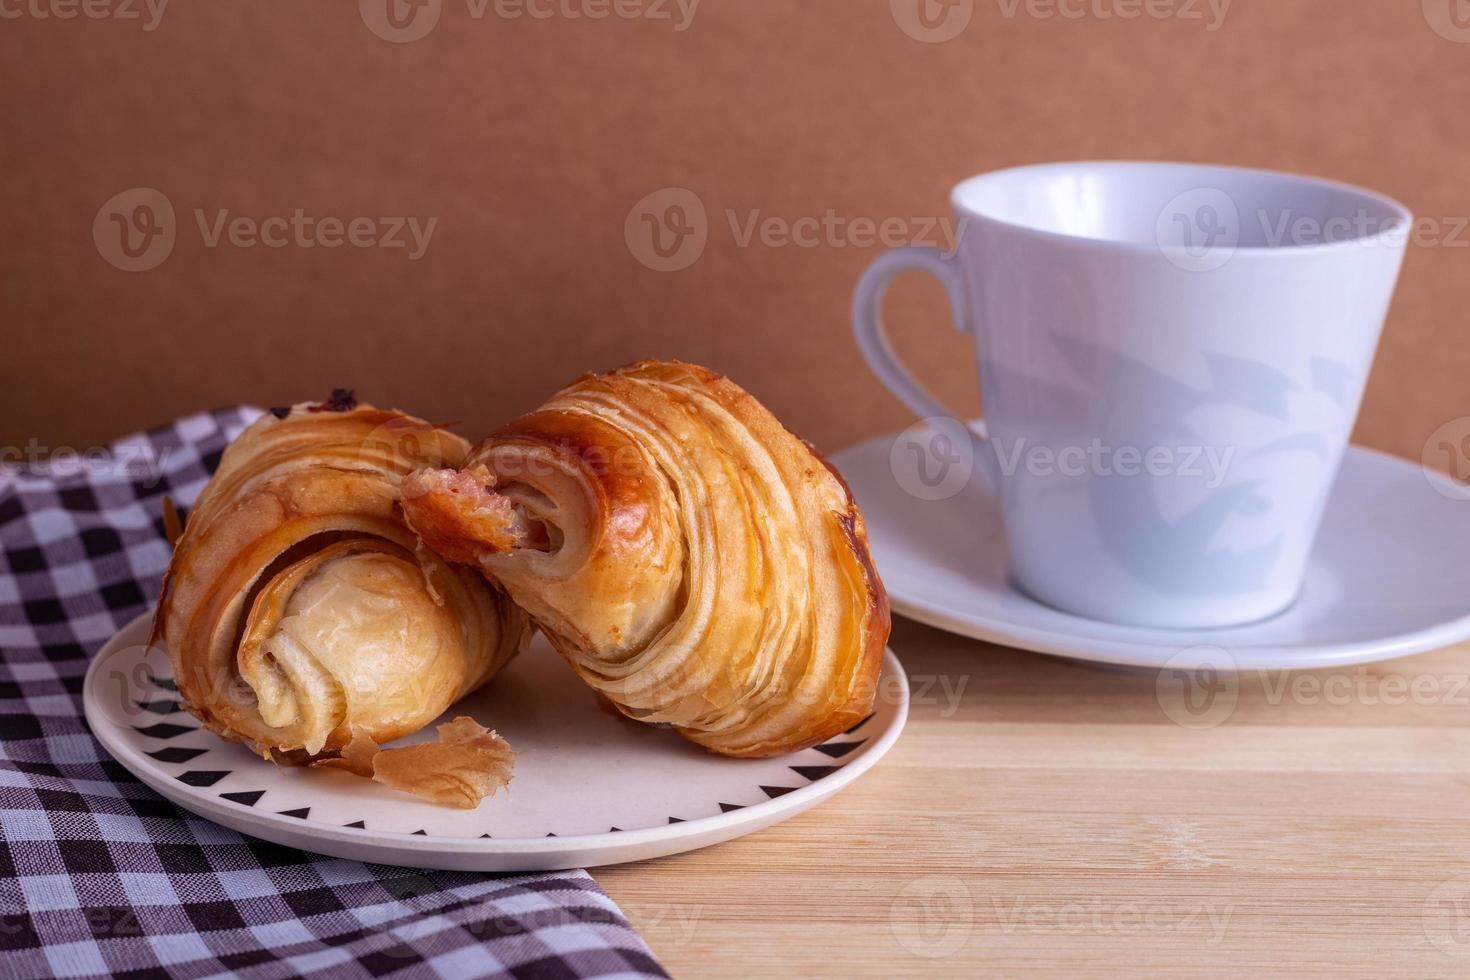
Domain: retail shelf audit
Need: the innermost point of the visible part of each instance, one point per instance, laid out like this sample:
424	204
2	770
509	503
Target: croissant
299	610
693	561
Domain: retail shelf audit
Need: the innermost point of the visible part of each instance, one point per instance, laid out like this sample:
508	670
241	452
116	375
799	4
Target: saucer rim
1157	647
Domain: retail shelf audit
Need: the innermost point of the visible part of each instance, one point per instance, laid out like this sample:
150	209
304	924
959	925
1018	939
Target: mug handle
872	340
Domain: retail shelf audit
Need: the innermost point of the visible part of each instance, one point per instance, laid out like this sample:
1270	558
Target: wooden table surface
1049	817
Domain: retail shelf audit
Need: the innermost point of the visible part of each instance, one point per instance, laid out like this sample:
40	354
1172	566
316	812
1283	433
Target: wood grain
1049	817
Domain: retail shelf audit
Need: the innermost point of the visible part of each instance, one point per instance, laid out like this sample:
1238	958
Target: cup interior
1171	204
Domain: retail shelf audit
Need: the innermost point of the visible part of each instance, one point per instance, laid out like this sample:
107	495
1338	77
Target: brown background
530	141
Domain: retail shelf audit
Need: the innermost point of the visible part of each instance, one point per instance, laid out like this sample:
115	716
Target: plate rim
1153	652
233	814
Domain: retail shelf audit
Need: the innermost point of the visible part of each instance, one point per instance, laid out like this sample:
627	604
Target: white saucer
1390	574
589	788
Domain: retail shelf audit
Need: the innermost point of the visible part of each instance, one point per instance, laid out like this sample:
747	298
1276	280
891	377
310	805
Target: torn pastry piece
356	757
694	562
299	608
468	763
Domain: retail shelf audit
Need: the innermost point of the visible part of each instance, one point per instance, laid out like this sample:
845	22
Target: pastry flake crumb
468	763
356	757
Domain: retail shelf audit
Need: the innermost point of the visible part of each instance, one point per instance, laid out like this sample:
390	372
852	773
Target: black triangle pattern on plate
814	773
165	683
175	754
839	749
164	729
179	755
164	707
248	798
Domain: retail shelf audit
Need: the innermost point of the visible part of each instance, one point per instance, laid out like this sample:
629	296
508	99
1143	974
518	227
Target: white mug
1171	359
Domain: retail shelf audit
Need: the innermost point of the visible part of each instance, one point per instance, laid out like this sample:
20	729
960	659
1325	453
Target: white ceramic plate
589	788
1389	576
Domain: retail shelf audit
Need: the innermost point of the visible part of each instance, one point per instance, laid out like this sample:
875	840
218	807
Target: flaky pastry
299	610
468	763
694	562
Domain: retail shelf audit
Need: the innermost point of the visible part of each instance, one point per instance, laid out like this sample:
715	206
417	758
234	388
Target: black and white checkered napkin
100	875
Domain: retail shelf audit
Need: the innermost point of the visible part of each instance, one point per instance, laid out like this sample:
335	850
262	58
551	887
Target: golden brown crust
442	513
300	609
693	561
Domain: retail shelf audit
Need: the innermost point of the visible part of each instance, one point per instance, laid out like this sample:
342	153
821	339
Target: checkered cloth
99	875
